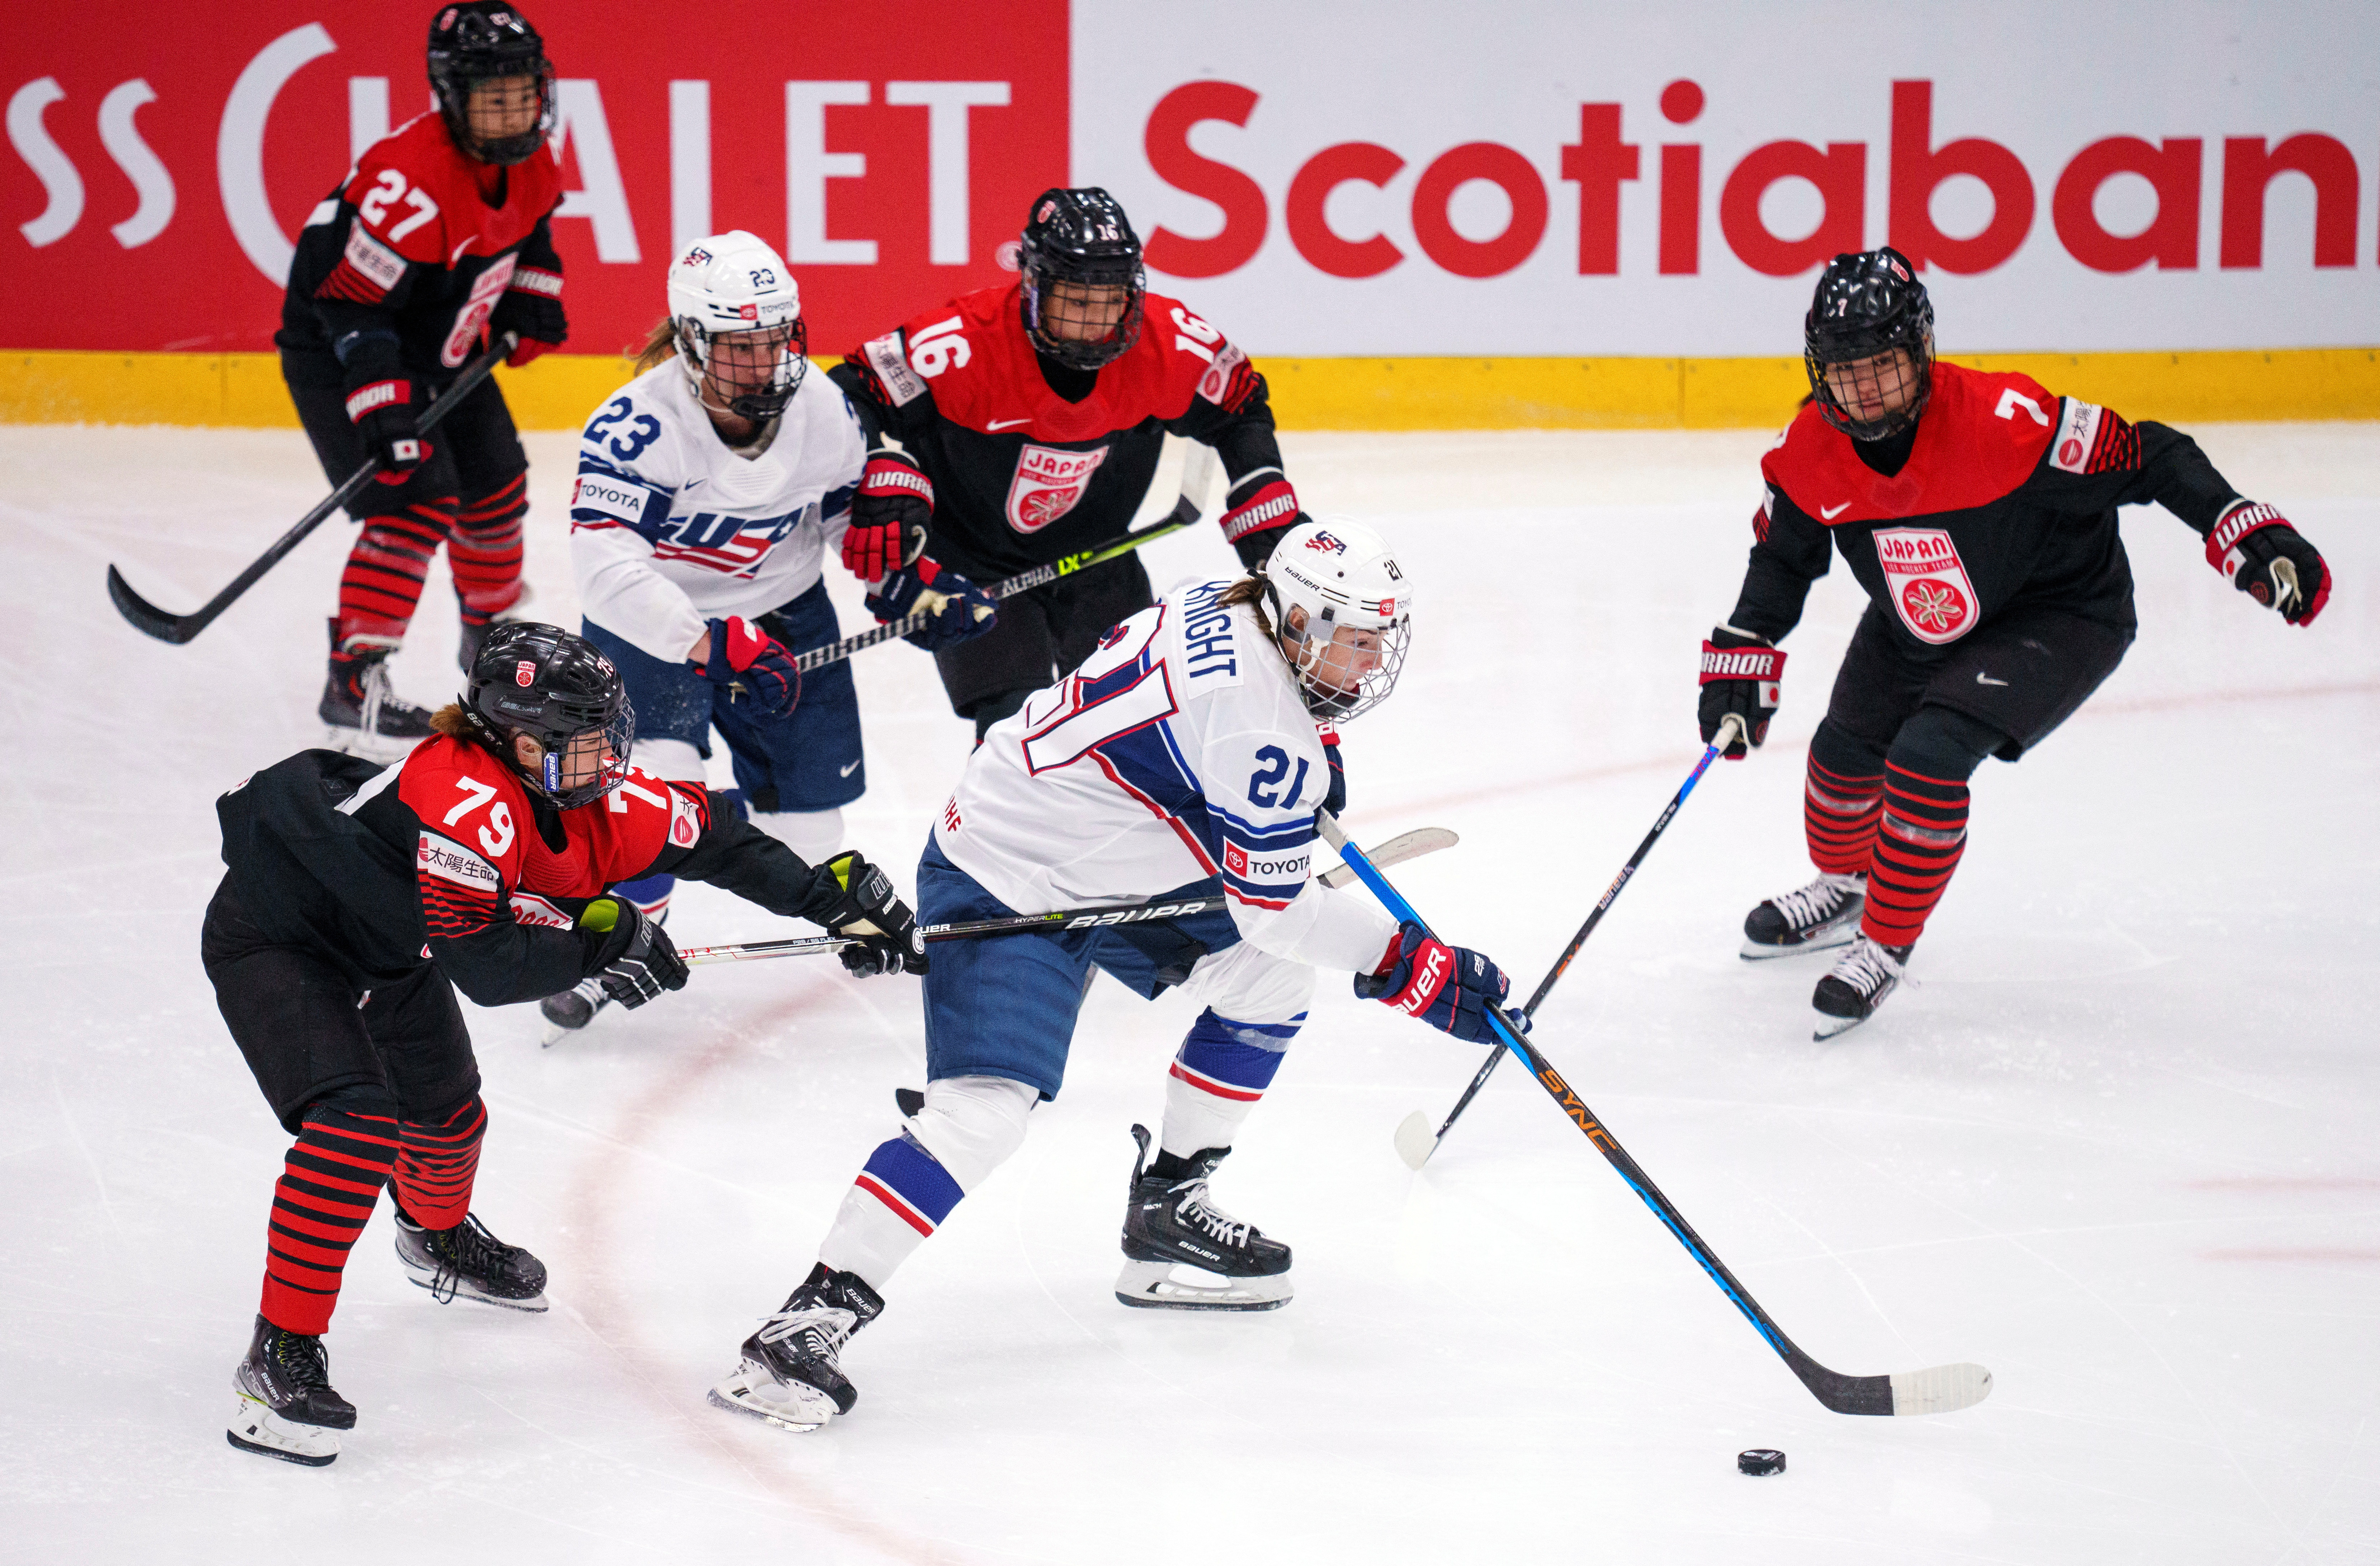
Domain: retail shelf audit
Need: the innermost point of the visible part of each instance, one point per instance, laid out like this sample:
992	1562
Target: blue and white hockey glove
1448	986
960	609
751	665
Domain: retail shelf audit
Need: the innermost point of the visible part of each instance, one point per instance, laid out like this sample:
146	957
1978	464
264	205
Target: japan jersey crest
1047	485
1928	584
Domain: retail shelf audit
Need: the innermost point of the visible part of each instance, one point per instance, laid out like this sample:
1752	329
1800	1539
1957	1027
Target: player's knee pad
1843	753
971	1124
370	1099
1938	743
674	760
815	836
1253	986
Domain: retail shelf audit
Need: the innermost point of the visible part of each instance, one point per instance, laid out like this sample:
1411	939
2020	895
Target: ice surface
2117	1143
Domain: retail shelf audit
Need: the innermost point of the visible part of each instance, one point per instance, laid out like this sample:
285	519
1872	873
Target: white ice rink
2121	1143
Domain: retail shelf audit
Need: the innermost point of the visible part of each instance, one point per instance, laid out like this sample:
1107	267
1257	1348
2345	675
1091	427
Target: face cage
1091	355
694	342
454	90
1831	409
619	734
1340	707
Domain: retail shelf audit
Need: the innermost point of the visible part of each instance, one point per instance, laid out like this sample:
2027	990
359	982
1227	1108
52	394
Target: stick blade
1942	1389
1396	851
1415	1142
145	616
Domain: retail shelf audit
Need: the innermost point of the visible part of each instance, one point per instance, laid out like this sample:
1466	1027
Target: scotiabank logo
1611	151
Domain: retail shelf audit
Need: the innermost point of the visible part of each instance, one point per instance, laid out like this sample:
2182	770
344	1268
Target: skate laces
1811	904
1867	966
1197	1208
467	1247
303	1360
830	1325
373	683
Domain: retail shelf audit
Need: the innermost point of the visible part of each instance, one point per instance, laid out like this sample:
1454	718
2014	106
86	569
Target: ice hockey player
1979	512
1029	418
359	898
436	244
711	488
1179	761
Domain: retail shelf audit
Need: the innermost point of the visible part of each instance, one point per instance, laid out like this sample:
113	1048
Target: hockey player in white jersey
1179	759
710	489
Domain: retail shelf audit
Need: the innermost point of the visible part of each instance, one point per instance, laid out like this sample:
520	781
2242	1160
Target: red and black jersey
447	856
1032	461
403	264
2006	496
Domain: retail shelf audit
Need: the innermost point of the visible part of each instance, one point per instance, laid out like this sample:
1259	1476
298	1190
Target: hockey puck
1760	1461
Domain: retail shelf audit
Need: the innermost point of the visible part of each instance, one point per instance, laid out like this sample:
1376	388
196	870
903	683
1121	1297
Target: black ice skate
1170	1222
573	1009
1825	912
1863	977
467	1262
792	1375
364	716
287	1407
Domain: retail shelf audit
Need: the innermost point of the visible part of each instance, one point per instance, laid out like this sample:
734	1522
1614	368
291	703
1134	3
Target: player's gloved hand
2264	557
752	665
959	608
1335	799
868	911
1740	677
531	310
1447	986
381	412
889	517
636	961
1252	523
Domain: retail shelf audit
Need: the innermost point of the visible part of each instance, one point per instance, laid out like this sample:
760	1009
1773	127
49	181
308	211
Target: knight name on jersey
1207	638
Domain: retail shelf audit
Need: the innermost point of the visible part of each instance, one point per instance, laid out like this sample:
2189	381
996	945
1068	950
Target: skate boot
1863	977
1825	912
572	1010
287	1407
467	1262
364	716
792	1376
1170	1222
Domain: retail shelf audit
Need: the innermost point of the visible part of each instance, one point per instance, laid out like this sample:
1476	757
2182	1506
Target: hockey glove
1335	800
382	414
2264	557
959	608
1740	678
1256	522
751	665
868	911
531	307
889	516
1448	986
636	961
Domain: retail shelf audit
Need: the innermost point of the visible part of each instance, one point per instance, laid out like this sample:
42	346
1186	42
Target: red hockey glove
1740	679
960	609
889	516
750	662
382	414
1335	799
2255	546
532	308
1448	986
1256	522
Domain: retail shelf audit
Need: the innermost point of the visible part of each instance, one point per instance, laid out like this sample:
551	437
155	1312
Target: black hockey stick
178	628
1938	1390
1414	1139
1195	473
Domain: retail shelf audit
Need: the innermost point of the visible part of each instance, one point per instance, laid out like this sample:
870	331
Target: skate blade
1835	1027
255	1428
427	1278
1755	952
554	1034
1151	1285
753	1392
370	747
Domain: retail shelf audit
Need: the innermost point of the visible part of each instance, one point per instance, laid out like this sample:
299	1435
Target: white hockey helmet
1357	619
733	282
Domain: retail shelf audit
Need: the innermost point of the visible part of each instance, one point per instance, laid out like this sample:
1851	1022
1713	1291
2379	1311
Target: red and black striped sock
484	551
439	1161
1838	815
329	1181
382	581
1918	844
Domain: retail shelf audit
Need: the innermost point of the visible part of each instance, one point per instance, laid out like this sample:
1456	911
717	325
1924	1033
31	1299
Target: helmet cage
1327	568
696	343
554	687
473	43
1081	237
1868	305
1328	700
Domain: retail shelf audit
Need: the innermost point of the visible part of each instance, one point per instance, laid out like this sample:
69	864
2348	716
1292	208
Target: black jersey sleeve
878	414
2099	461
735	855
1791	549
1240	429
356	289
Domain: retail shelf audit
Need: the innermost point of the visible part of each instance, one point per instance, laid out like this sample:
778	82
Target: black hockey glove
1448	986
2262	555
869	912
382	413
1740	679
889	517
1255	521
751	665
636	961
1335	799
531	309
960	610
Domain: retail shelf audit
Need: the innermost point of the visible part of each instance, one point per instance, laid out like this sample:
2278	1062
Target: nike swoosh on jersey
1005	423
854	766
1825	515
1983	679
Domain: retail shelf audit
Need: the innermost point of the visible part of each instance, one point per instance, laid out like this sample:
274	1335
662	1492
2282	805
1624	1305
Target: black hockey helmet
479	41
1079	236
543	681
1868	303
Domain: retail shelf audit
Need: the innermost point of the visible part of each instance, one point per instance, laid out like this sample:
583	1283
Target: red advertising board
165	156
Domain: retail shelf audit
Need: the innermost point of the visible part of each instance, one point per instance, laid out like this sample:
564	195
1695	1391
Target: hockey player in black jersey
1978	511
1029	420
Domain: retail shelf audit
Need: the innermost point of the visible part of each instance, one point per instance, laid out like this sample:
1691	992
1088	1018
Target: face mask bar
1372	687
1047	309
457	92
727	358
619	735
1914	363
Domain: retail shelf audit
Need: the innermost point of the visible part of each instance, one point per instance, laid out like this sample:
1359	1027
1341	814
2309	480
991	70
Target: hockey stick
1196	471
179	629
1938	1390
1414	1140
801	946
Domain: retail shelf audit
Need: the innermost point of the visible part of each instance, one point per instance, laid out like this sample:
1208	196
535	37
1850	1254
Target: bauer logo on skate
1929	585
1048	483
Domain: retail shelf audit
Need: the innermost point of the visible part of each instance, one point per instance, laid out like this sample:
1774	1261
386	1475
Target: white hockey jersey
670	528
1179	750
